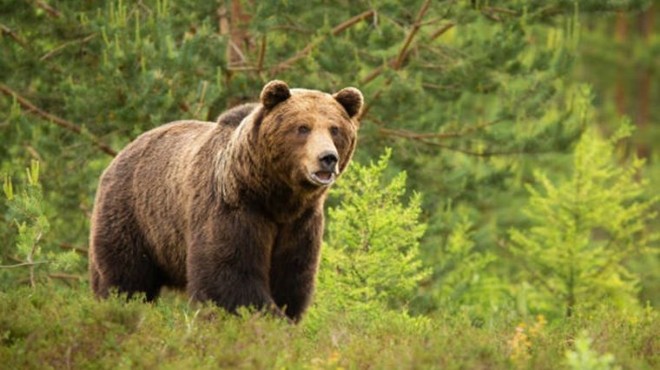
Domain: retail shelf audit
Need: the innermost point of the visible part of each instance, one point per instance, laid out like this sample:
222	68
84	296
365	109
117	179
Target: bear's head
309	135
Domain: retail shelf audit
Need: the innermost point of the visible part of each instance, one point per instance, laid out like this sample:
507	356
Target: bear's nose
328	160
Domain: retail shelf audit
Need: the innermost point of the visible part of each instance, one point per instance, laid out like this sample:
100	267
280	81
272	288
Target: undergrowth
58	327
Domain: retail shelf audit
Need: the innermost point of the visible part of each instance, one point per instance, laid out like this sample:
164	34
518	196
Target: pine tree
372	254
470	94
585	228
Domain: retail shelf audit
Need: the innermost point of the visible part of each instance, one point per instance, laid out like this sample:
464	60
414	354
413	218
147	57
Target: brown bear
231	211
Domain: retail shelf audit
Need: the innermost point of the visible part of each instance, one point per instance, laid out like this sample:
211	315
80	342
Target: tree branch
8	31
379	70
427	141
309	47
352	21
49	9
496	9
79	250
414	135
57	49
300	55
262	54
62	276
24	264
398	62
411	35
441	31
26	104
33	281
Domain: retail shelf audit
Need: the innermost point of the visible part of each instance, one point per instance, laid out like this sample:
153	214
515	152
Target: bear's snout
325	170
328	160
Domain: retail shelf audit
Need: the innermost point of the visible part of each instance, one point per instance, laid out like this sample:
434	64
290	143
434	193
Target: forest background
501	210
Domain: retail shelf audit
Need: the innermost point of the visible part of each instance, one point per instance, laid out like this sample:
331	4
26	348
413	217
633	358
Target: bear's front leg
295	262
228	263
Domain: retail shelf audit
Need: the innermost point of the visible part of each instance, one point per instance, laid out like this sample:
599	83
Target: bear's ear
273	93
351	99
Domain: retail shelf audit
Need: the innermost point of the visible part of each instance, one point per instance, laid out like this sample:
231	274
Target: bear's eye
303	129
334	130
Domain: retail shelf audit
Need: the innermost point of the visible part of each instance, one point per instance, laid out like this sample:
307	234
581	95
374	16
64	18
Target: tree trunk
643	116
620	36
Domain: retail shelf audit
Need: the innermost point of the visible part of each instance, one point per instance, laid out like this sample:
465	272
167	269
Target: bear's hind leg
130	276
119	260
95	280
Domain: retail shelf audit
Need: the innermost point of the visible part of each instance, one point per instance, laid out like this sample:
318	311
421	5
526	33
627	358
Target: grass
61	328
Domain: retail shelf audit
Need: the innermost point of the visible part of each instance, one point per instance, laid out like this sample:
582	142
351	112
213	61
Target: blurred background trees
473	97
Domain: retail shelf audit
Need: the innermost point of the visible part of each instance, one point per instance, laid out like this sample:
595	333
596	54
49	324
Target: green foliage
462	278
584	229
618	57
372	252
584	358
57	327
111	70
26	212
474	97
469	95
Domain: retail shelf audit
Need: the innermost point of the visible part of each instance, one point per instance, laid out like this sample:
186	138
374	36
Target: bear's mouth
323	178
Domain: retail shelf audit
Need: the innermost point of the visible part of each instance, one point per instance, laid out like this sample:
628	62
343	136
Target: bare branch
57	49
33	281
241	69
352	21
373	74
79	250
440	31
262	54
300	55
62	276
26	104
411	35
491	15
49	9
24	264
397	63
238	53
8	31
496	9
392	63
223	20
292	28
200	103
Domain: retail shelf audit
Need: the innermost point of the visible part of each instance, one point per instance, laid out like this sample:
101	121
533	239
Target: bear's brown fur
231	211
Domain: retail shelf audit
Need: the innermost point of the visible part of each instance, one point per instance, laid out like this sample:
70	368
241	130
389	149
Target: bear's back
235	115
166	149
152	177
